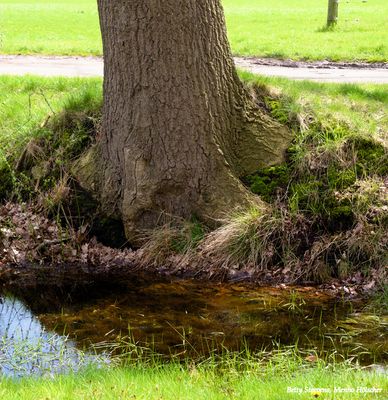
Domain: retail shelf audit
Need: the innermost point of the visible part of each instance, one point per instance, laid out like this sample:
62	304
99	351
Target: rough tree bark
332	12
178	128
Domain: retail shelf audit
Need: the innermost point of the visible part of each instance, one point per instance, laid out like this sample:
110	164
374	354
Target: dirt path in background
273	62
321	71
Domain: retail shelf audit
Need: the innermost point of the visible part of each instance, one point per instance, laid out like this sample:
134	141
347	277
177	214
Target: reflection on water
186	318
27	348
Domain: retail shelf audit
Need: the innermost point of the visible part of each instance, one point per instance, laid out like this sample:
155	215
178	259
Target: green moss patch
269	181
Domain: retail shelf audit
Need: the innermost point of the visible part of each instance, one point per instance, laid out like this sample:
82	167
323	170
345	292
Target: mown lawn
284	29
293	29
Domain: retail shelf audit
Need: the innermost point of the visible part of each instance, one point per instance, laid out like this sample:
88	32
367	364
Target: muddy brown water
190	319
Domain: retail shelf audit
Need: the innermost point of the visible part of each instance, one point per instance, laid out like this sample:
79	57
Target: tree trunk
332	12
178	128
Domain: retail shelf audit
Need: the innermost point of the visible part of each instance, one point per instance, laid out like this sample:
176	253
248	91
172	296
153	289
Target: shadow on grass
327	28
377	94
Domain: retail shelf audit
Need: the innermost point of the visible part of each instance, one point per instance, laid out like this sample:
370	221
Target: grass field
235	379
49	27
282	28
293	29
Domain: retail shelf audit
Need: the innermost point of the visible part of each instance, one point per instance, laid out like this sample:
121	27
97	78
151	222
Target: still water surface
45	330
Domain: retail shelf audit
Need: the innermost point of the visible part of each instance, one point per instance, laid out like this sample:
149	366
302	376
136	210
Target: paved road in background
93	66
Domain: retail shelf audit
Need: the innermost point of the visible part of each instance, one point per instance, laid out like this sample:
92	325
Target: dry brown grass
175	239
258	238
267	238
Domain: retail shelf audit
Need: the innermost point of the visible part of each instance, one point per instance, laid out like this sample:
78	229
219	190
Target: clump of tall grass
258	237
173	237
263	362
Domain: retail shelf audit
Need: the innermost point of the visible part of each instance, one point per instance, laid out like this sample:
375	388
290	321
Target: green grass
293	29
202	382
362	106
26	103
284	29
49	27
